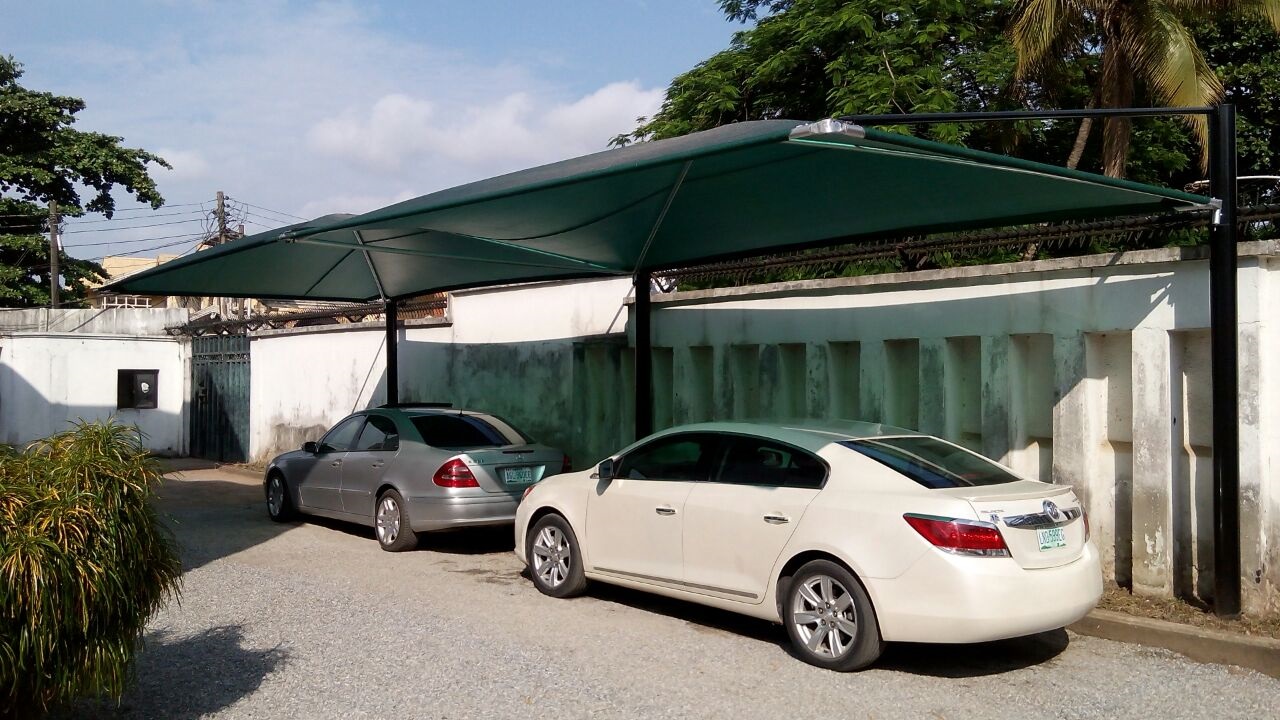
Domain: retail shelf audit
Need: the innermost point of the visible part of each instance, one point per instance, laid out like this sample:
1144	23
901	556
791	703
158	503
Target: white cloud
352	203
186	164
311	109
510	132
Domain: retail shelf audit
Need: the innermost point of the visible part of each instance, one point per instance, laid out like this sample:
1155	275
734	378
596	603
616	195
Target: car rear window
465	431
932	462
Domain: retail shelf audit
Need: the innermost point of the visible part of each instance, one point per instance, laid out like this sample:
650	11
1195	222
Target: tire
391	523
279	504
829	618
555	562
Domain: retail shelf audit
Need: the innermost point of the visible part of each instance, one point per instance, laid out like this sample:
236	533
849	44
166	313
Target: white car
851	535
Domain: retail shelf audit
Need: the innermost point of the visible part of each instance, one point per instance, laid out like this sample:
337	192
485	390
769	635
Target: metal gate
220	398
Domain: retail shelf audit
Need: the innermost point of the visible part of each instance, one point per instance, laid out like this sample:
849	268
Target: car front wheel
279	506
555	562
830	619
391	523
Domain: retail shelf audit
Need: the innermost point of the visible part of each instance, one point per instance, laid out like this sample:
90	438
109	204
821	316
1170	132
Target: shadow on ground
462	541
187	677
215	518
932	660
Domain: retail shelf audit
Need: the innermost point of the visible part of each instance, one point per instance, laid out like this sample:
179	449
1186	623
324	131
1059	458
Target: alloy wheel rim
388	524
275	496
552	556
823	616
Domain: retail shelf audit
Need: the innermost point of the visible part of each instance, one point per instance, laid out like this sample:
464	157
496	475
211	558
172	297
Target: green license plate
1051	538
517	475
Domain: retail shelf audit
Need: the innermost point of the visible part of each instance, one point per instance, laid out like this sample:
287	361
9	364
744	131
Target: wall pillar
933	388
874	378
1152	463
1076	437
996	397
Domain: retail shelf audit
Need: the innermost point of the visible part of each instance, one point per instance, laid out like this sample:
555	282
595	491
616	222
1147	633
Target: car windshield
932	462
466	431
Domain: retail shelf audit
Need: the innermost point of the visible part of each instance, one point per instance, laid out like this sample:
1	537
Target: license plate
1051	538
517	475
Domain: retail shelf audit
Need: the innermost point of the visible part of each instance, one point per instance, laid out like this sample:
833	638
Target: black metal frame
393	354
1222	308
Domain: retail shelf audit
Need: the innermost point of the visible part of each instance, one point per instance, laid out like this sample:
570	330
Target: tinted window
379	434
342	436
752	461
932	462
677	457
465	431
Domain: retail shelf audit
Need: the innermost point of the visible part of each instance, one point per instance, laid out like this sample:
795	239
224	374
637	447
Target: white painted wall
48	380
1090	371
505	350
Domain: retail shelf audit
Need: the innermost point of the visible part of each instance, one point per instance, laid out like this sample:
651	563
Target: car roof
812	435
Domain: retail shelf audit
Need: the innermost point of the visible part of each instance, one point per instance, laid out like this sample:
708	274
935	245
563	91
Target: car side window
675	457
379	434
754	461
343	435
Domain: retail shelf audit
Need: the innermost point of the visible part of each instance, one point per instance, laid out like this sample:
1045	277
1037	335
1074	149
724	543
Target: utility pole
222	218
54	271
221	215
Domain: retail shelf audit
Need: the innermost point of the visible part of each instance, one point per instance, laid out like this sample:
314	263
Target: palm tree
1143	40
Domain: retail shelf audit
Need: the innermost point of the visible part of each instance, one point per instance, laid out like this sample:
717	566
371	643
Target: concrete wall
543	356
48	380
112	321
1087	371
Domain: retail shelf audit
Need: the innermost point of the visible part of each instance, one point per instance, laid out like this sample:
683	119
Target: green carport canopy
742	189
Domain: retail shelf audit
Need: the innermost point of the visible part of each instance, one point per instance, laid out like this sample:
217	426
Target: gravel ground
312	620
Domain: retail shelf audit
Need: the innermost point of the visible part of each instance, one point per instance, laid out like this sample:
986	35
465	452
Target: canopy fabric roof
737	190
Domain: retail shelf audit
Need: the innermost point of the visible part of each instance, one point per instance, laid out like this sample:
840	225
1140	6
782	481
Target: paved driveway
312	620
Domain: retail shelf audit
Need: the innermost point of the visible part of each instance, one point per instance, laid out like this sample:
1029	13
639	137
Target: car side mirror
605	470
310	447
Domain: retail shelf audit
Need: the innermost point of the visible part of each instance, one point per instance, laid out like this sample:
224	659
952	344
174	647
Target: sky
300	109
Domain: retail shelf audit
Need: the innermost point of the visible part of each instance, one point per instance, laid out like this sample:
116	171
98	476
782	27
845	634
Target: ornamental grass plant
85	561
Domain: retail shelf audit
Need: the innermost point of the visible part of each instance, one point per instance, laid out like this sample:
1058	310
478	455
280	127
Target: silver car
410	469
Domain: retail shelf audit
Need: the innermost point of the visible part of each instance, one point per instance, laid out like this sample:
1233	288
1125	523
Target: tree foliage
808	59
1147	42
43	159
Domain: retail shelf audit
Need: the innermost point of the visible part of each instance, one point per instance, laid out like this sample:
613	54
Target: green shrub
85	562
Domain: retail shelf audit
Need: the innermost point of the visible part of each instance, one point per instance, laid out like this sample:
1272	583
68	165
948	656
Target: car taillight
526	492
1085	516
958	536
455	474
567	465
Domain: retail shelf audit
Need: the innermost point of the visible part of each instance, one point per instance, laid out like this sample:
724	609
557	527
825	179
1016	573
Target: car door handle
665	510
336	463
379	464
774	519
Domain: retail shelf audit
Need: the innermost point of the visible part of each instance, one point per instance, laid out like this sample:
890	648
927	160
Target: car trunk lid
1043	525
512	468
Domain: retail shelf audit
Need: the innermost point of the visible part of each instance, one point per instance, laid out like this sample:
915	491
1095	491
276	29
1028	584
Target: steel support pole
644	356
1223	324
393	354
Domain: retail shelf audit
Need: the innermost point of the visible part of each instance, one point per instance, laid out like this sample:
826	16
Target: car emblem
1052	511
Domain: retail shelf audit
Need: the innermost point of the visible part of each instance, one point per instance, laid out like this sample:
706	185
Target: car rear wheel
391	523
830	619
279	506
555	563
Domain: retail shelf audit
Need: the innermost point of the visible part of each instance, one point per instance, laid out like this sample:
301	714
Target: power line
134	227
137	240
277	212
266	219
139	217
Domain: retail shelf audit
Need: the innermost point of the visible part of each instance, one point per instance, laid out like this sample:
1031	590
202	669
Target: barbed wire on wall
919	252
